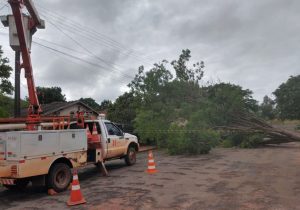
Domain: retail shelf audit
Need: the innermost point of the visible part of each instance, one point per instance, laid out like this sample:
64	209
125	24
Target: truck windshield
113	130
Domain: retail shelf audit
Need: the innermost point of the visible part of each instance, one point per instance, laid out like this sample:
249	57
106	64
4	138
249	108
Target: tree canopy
288	98
90	102
123	110
177	113
105	105
5	72
267	108
48	95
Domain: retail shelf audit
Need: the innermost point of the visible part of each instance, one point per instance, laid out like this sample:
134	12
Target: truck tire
20	184
59	177
130	157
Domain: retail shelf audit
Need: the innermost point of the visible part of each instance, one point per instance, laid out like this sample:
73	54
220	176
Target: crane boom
34	109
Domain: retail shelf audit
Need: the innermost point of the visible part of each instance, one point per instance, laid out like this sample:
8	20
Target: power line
58	45
84	48
5	5
78	58
91	30
72	56
107	41
94	39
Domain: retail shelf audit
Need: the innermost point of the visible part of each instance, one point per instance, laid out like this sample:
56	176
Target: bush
227	143
243	140
192	143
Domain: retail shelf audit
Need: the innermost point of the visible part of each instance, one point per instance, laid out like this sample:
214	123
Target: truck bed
31	144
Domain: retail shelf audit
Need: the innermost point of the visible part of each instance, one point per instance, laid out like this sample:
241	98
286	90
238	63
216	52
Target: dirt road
265	178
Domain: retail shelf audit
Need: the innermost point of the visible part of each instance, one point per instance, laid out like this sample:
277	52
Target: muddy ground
264	178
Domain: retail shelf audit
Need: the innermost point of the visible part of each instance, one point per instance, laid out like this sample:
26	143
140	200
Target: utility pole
17	84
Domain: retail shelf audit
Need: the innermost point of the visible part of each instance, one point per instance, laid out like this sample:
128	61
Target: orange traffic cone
151	164
95	136
76	196
88	132
95	132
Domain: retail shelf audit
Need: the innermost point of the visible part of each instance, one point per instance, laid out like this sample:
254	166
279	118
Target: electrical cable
5	5
60	19
93	39
78	58
91	30
86	49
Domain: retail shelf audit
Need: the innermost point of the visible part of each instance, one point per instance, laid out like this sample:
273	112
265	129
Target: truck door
115	140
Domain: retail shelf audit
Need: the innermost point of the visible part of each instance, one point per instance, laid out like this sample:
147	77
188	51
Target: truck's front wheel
59	177
130	157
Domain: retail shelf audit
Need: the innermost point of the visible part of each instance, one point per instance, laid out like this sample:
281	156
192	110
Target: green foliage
5	71
90	102
105	105
179	114
253	141
47	95
7	106
288	98
267	109
226	100
183	72
123	110
191	141
170	109
147	85
243	140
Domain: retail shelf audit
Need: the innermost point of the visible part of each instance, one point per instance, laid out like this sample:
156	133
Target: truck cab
110	141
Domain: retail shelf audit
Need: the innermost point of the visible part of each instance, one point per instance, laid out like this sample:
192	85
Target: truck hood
130	136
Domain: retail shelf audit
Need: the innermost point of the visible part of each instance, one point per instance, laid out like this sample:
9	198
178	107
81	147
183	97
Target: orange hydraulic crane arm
38	22
34	22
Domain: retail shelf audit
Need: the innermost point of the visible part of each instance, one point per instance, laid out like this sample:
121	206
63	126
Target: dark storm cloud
251	43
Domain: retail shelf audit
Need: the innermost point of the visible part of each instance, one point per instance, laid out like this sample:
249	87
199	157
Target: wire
58	45
74	25
86	49
75	57
1	8
78	58
93	39
91	30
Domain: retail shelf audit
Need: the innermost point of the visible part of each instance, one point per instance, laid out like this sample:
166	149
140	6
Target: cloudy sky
93	48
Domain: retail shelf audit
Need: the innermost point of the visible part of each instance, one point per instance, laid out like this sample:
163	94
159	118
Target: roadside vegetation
172	107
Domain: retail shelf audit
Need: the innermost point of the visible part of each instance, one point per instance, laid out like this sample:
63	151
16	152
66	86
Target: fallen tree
245	122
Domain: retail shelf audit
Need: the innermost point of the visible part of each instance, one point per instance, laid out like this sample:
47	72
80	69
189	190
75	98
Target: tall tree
288	98
185	73
105	105
90	102
147	84
48	95
123	110
5	71
267	108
